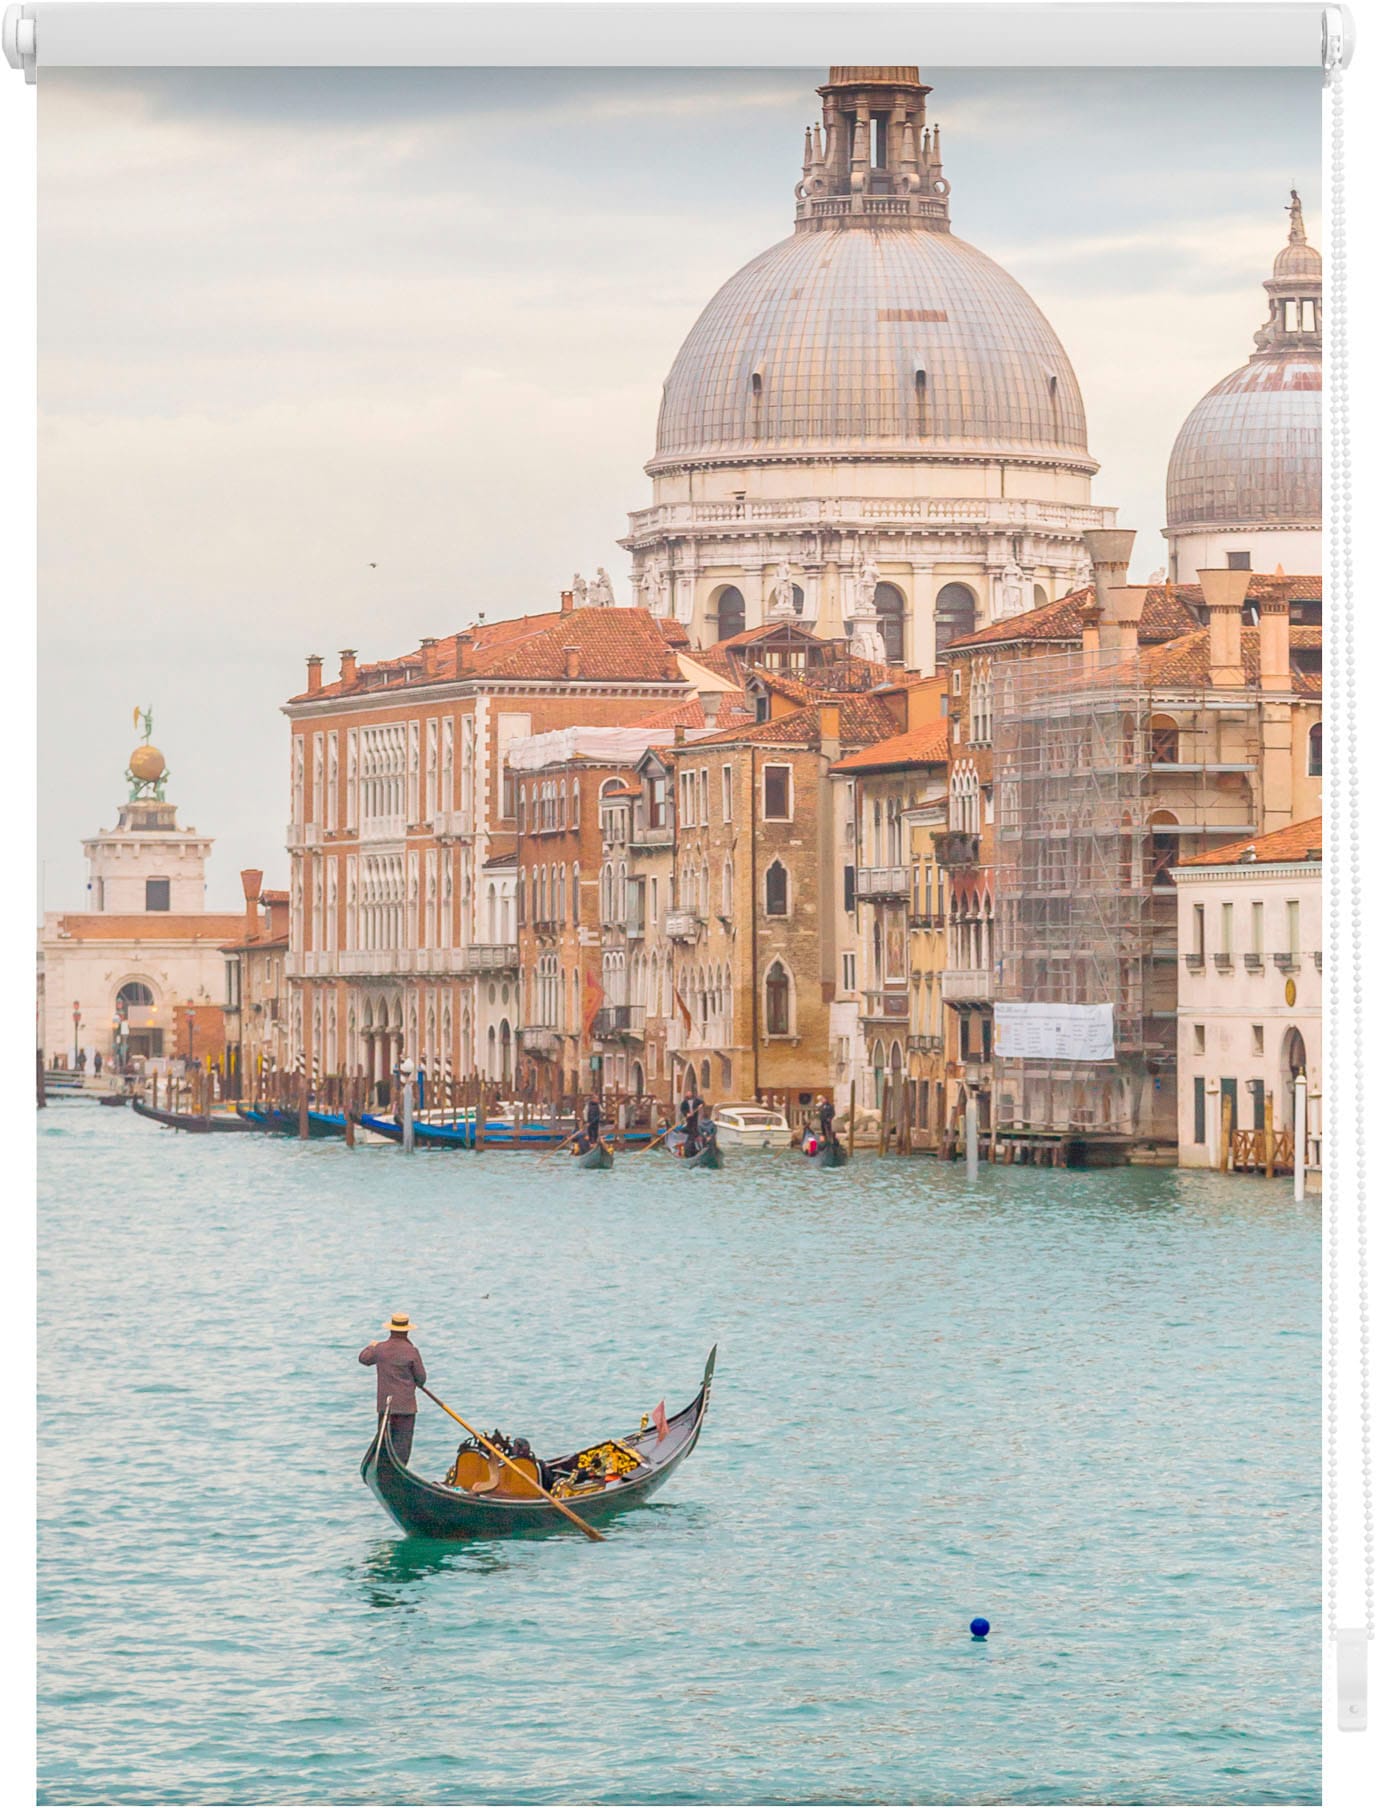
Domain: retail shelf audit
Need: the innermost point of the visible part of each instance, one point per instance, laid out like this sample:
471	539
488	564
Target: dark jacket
399	1370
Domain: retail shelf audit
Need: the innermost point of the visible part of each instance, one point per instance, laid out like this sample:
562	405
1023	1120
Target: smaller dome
147	763
1300	259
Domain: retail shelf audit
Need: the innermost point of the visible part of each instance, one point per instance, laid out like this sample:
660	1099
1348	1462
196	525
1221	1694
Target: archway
891	608
1293	1062
506	1052
730	613
955	614
637	1079
690	1081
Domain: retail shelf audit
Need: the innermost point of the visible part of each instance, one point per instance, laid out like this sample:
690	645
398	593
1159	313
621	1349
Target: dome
872	341
147	763
1250	454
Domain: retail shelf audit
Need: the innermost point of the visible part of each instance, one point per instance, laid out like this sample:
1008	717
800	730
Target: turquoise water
1083	1405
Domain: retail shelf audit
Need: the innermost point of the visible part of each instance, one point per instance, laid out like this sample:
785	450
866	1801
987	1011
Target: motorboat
751	1126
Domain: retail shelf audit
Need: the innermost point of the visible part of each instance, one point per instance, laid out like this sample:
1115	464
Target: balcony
956	847
452	825
1223	963
682	925
1194	963
541	1040
1286	963
881	882
619	1021
486	957
886	1007
926	1045
660	836
960	985
304	834
1254	963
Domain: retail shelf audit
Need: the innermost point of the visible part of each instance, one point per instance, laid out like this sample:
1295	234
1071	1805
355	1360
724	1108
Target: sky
336	358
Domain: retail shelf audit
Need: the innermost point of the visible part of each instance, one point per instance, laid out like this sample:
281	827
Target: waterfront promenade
1082	1404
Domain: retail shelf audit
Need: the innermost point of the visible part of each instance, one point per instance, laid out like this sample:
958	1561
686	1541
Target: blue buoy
979	1628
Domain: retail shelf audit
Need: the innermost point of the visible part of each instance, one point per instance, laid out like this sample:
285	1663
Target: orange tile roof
613	644
1301	841
152	926
1184	662
1169	610
929	744
691	714
256	944
863	720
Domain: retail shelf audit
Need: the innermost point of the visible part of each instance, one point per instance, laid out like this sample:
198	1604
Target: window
726	794
1258	1039
848	971
1316	751
955	614
1199	1038
778	789
776	890
1292	928
157	894
657	805
890	608
777	1000
1199	932
687	818
1227	1104
508	794
1239	561
1257	1088
704	811
1165	742
848	888
1258	929
1225	931
730	613
1201	1130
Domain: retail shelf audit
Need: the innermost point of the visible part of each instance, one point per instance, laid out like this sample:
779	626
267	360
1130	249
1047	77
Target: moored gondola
189	1120
115	1098
827	1155
434	1510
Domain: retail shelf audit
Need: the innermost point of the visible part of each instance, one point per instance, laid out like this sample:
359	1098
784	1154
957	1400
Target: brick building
255	1016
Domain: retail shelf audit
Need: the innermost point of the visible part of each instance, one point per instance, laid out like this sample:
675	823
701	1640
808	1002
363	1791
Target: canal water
1085	1406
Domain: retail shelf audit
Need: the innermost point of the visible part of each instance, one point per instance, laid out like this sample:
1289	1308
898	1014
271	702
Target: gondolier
592	1126
399	1372
826	1113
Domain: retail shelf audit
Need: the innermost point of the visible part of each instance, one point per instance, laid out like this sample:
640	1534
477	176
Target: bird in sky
372	564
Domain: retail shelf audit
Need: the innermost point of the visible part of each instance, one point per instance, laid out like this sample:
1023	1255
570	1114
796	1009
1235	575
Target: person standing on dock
399	1372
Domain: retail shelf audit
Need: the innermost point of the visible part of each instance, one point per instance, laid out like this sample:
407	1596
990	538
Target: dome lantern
873	161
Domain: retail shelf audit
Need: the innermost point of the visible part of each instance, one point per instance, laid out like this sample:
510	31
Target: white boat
751	1126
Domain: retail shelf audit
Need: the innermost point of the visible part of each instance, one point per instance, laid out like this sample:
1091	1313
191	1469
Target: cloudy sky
339	357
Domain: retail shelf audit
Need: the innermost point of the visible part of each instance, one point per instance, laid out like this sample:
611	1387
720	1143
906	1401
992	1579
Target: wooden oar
659	1139
501	1456
563	1145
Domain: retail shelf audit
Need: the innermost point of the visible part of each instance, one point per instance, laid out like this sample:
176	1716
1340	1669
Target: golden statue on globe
147	774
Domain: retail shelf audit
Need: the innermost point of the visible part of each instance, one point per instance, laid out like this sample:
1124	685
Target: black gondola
197	1124
598	1156
706	1156
115	1098
827	1155
433	1510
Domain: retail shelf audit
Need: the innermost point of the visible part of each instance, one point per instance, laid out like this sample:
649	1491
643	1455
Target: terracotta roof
628	644
927	745
1301	841
1169	610
256	943
691	714
151	926
274	897
1185	662
863	720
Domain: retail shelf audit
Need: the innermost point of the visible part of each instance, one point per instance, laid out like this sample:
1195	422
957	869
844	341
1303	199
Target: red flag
661	1423
683	1012
592	1000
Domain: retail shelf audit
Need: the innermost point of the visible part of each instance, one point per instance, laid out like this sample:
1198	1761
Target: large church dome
871	340
1250	453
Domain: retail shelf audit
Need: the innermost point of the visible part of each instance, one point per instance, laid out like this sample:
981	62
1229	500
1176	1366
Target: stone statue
866	584
579	587
600	590
866	637
1012	591
781	598
652	587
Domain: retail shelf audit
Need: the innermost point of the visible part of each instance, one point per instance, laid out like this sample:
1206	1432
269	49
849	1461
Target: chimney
1275	643
894	697
251	879
348	665
829	729
573	662
680	734
1090	637
1109	549
1225	591
461	649
1125	605
429	659
565	601
313	678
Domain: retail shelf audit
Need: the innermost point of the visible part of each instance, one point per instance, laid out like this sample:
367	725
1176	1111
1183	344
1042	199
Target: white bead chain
1345	975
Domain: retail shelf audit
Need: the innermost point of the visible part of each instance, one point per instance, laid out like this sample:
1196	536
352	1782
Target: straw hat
400	1324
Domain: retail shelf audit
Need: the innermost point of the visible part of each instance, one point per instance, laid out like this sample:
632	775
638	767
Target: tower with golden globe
147	775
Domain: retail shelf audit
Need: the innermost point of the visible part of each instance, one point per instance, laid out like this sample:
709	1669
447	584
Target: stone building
899	807
403	836
753	921
119	977
1244	486
872	428
1251	989
256	989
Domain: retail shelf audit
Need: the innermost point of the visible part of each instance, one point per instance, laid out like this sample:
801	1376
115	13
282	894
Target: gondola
707	1155
599	1156
115	1098
189	1120
432	1510
829	1155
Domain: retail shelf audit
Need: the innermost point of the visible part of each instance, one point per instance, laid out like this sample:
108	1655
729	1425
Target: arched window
730	613
728	888
776	890
1165	742
706	1079
133	995
890	607
778	1001
1316	751
1163	848
955	614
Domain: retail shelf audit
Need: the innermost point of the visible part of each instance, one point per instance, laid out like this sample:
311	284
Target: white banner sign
1054	1032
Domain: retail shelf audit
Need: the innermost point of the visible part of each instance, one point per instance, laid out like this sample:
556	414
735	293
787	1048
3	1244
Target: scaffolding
1081	870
